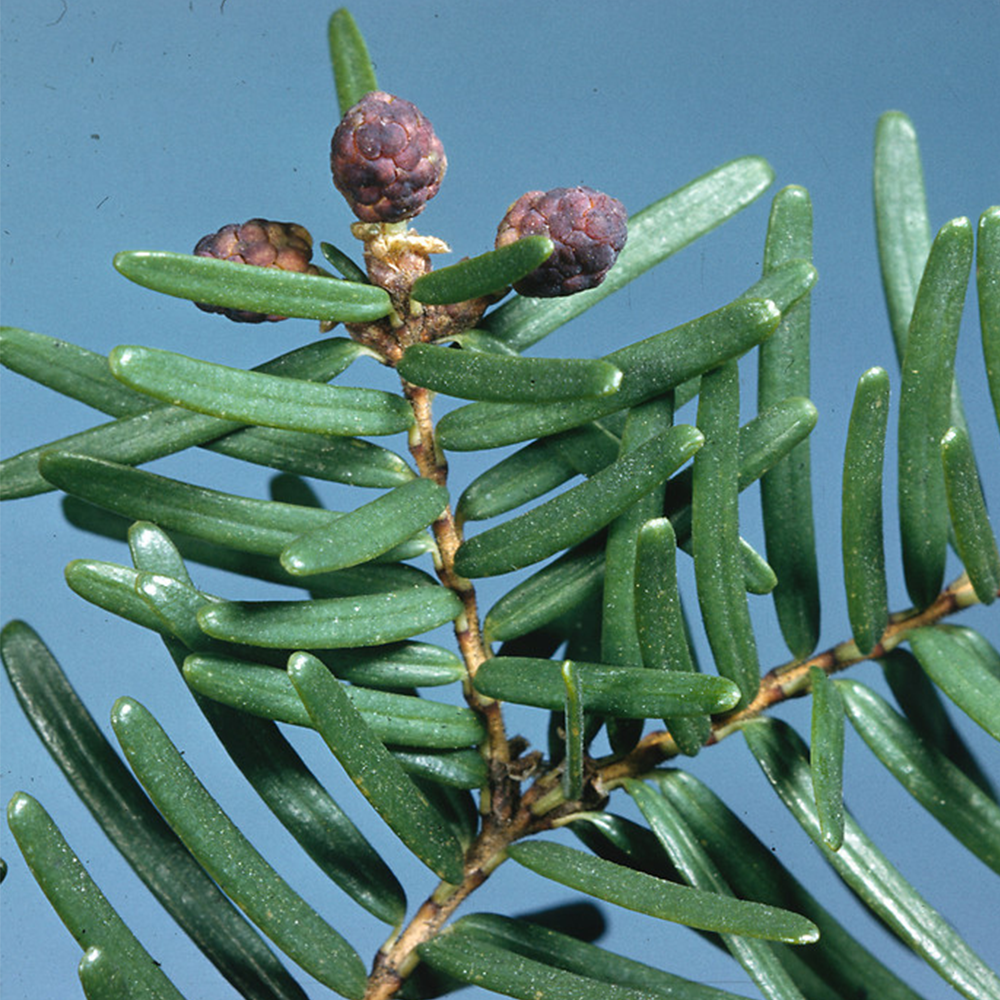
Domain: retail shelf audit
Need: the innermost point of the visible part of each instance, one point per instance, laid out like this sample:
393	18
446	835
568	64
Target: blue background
147	125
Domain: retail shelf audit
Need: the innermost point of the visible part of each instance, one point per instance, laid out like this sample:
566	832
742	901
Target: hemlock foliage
598	637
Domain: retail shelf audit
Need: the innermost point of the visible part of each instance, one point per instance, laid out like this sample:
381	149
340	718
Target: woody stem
791	680
432	464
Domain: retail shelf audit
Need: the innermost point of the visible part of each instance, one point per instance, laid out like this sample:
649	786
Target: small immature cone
386	159
260	243
589	229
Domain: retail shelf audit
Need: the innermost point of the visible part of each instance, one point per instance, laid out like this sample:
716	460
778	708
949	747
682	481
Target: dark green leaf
477	276
477	959
84	375
507	379
367	532
401	665
244	523
301	803
838	966
625	842
75	897
925	404
934	781
758	577
715	532
525	937
334	623
963	675
783	758
129	440
627	692
786	490
69	369
580	512
372	768
128	818
343	263
249	524
699	871
663	640
861	511
655	233
988	288
650	368
786	284
591	447
454	805
321	456
479	340
454	768
265	290
659	898
764	441
177	605
921	703
102	978
352	67
579	921
309	813
286	488
540	467
573	722
826	757
773	435
974	538
619	637
581	630
367	579
517	479
394	718
257	398
113	588
555	589
789	237
901	225
146	430
228	856
153	552
582	633
977	644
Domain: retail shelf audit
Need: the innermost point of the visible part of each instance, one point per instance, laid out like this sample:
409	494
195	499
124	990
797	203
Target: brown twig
791	680
431	463
509	821
398	957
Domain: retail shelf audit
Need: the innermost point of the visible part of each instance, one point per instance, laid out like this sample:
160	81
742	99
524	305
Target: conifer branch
791	680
